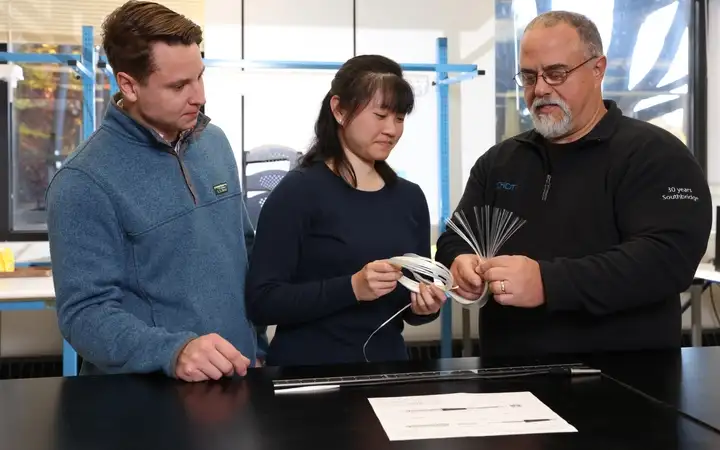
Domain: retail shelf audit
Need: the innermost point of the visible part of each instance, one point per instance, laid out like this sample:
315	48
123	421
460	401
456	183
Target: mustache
540	102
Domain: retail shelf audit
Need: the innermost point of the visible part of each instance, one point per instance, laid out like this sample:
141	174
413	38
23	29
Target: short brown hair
130	30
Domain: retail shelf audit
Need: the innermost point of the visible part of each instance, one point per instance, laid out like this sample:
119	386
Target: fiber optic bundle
494	227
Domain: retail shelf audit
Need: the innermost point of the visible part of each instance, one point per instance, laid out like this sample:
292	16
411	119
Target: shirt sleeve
664	216
272	296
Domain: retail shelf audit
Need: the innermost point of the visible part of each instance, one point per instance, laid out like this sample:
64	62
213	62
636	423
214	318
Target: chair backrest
254	205
272	153
266	180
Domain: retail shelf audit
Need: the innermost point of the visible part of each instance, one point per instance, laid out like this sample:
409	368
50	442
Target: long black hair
355	84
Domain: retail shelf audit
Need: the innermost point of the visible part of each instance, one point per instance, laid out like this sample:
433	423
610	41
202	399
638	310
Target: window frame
696	108
698	82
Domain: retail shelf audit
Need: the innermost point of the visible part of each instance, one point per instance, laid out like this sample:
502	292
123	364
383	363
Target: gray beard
545	124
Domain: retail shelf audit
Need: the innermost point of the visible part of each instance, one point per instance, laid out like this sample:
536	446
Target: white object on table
27	288
706	272
466	415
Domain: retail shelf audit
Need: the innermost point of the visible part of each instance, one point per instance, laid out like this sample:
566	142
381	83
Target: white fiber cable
494	227
433	271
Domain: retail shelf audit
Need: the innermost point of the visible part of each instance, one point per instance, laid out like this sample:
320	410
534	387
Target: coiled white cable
424	270
494	227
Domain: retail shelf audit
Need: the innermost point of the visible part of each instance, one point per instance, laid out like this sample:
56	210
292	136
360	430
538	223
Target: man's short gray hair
586	29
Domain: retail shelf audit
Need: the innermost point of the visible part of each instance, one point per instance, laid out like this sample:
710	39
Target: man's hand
514	281
428	301
465	269
209	357
376	279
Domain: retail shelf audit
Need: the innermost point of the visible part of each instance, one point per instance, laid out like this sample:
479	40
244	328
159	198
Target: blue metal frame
320	65
443	135
89	60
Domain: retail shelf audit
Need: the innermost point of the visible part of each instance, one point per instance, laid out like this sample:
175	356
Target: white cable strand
494	227
380	327
417	265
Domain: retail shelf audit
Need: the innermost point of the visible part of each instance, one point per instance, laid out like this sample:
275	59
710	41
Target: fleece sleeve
87	253
422	218
449	244
272	295
663	213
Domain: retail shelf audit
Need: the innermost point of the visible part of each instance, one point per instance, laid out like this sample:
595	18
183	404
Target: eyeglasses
553	77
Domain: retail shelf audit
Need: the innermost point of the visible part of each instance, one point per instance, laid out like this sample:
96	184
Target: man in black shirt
618	213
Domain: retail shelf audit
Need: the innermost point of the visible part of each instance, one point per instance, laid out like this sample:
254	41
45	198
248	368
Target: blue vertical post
89	61
443	130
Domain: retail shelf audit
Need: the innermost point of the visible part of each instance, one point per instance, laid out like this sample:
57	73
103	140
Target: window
42	125
41	116
646	42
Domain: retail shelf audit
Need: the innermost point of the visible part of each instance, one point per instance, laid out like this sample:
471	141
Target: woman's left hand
428	301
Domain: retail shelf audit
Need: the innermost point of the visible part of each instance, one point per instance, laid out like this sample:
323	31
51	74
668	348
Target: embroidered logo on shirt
220	188
505	186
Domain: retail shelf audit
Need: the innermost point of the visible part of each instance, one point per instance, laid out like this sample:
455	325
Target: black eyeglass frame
562	73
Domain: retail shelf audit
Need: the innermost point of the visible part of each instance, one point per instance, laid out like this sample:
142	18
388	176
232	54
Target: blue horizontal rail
320	65
459	78
316	65
50	58
33	305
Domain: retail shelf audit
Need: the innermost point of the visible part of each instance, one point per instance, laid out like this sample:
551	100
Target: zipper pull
547	187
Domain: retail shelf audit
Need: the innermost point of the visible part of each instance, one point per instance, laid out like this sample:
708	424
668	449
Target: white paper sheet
466	415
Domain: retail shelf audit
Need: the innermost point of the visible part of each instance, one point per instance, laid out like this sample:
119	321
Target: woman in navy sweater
318	268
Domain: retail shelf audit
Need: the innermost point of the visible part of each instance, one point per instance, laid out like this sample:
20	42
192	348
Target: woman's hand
376	279
428	301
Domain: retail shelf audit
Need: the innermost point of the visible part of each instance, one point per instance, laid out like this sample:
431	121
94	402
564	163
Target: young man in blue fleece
149	236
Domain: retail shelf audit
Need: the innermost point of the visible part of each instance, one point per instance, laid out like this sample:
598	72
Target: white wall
281	106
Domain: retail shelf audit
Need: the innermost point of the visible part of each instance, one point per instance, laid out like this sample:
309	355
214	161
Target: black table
151	412
687	380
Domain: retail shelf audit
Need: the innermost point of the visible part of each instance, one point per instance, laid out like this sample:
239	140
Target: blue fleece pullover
149	244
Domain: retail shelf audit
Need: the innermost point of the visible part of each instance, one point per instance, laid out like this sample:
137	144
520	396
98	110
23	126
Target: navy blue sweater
314	232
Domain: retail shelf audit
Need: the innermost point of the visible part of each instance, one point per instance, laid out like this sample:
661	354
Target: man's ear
335	108
599	69
127	86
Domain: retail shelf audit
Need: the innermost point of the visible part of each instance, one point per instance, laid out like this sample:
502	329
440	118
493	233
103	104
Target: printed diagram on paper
466	415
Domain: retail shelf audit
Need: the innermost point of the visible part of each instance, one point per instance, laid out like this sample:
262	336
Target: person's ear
599	69
128	86
335	108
